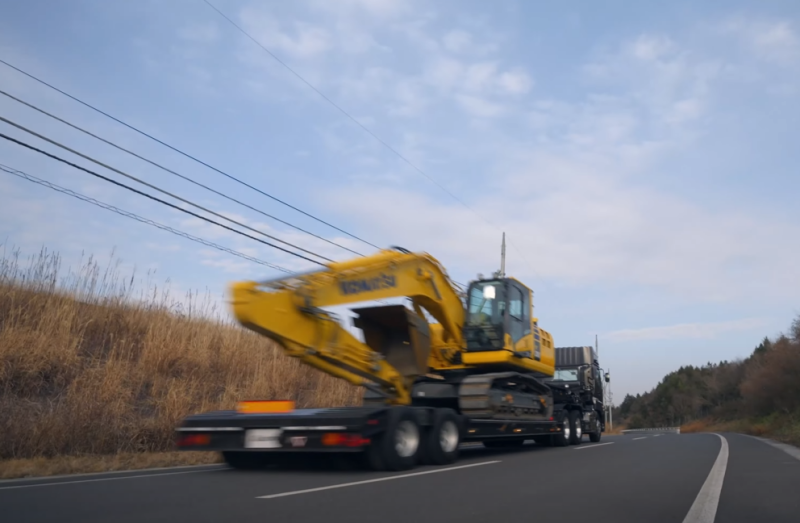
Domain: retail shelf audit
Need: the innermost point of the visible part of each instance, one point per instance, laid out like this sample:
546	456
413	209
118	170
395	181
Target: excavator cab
496	307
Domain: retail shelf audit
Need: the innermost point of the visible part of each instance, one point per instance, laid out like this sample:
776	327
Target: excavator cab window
518	322
486	306
516	325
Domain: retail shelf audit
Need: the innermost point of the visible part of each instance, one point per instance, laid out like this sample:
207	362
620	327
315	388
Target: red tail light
194	440
338	439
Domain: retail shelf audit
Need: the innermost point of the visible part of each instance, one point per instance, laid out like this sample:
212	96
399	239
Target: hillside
92	367
759	395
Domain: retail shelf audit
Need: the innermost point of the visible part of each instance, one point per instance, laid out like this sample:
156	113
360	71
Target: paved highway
669	478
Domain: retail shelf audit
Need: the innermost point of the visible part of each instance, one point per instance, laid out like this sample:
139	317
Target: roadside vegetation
759	395
96	369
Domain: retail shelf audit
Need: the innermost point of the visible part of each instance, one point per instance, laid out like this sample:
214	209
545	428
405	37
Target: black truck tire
595	435
398	446
440	443
576	430
561	439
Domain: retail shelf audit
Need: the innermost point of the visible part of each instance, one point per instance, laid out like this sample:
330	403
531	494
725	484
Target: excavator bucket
399	334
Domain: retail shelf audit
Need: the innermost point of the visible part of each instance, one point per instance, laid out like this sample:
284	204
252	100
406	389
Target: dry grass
783	429
88	369
616	430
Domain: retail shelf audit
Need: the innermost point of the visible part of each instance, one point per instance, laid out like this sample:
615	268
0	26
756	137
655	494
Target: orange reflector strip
264	407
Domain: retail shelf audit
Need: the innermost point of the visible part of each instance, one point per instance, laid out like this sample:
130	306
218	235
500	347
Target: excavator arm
399	344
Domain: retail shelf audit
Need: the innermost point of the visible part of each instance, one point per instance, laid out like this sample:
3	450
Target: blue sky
642	161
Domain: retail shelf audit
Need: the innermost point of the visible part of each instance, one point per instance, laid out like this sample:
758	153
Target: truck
451	365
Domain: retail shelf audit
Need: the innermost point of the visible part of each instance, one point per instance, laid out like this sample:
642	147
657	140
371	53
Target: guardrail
671	430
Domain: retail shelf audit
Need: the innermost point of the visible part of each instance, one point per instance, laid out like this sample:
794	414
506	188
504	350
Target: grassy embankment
94	376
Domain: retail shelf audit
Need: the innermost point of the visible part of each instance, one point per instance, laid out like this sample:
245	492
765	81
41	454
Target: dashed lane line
582	447
367	481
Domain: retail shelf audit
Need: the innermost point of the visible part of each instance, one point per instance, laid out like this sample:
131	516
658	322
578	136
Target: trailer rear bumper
317	430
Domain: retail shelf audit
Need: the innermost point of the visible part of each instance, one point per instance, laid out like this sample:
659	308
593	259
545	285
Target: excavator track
506	395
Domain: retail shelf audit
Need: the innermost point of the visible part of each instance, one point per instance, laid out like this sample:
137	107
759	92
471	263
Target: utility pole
608	398
503	258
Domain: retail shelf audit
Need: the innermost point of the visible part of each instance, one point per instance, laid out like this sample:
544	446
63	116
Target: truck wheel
398	448
561	439
594	437
441	441
576	430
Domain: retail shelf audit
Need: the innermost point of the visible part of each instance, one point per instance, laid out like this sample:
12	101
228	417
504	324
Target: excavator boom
398	346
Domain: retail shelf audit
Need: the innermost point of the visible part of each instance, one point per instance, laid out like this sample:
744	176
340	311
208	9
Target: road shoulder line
56	483
138	472
789	449
704	508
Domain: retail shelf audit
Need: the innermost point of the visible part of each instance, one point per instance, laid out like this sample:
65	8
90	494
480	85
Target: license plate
263	439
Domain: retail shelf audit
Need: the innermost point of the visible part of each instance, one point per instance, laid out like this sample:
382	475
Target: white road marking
207	466
643	437
52	484
789	449
704	508
388	478
657	435
593	446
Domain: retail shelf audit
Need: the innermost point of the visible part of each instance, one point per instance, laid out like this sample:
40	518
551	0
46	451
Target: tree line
765	385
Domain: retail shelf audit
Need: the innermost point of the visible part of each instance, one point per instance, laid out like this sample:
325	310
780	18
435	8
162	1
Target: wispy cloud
684	331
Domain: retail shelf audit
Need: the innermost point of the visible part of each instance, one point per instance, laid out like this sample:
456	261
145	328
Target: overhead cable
57	144
131	215
193	158
67	162
42	111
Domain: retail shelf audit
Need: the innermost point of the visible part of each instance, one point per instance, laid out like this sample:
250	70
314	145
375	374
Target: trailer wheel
441	441
576	429
398	447
594	437
561	439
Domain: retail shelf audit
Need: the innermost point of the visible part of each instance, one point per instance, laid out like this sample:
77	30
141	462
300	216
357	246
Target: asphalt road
670	478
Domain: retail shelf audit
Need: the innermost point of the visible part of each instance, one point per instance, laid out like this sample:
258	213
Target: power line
193	158
362	126
57	144
127	214
171	171
155	198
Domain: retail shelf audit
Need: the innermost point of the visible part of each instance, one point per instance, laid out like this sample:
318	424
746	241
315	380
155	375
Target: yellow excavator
481	370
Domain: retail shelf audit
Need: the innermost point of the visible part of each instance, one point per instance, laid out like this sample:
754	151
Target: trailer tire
561	439
575	426
441	441
594	437
398	447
